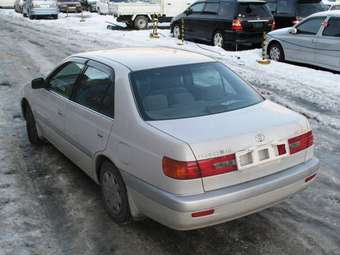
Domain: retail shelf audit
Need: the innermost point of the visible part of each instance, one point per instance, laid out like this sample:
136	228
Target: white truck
139	14
7	3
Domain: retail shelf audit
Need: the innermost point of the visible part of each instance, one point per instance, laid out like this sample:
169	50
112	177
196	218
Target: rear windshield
304	10
190	91
253	10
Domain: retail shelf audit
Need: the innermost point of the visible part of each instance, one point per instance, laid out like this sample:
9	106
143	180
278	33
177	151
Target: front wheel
177	31
275	52
218	39
31	128
114	193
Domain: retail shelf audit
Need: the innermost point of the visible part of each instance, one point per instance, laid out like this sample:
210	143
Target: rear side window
310	26
253	10
227	10
333	28
211	8
95	86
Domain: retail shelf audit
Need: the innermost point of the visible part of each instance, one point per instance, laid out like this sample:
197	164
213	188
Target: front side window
63	81
333	28
190	91
306	9
95	91
197	8
311	26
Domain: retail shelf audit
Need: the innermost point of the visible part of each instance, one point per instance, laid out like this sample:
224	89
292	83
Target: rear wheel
177	31
218	39
275	52
141	22
114	193
31	128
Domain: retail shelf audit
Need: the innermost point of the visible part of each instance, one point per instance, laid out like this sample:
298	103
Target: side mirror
188	11
293	31
38	83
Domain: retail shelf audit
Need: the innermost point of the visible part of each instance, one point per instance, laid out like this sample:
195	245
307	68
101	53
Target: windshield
304	10
190	91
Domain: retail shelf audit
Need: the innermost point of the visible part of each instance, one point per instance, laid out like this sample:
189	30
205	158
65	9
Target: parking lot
49	206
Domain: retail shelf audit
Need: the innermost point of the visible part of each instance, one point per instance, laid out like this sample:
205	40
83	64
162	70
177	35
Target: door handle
100	135
60	113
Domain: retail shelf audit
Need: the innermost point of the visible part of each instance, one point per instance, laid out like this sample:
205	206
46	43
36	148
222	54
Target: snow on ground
319	90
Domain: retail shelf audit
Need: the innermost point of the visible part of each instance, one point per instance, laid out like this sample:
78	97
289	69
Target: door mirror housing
188	11
293	31
38	83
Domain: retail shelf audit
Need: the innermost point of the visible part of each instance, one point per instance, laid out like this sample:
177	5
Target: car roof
146	58
333	13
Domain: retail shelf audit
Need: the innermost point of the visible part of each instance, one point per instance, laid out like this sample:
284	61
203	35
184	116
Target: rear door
90	115
206	24
328	44
256	17
301	46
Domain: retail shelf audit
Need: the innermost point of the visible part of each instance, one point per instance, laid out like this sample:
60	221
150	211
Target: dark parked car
69	6
225	23
289	12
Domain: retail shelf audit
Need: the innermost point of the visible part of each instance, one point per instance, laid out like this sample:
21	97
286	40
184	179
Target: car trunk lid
251	133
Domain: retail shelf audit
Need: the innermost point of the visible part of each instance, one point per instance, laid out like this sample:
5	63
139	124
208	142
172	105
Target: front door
301	46
191	29
328	45
50	102
90	114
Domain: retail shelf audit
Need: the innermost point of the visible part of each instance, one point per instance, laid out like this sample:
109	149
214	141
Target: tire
218	39
177	31
114	193
31	128
55	16
275	52
141	22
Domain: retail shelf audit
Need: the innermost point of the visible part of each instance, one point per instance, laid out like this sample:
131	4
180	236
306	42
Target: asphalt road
48	206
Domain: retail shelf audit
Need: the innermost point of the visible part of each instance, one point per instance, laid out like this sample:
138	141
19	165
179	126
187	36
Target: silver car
171	135
315	41
40	8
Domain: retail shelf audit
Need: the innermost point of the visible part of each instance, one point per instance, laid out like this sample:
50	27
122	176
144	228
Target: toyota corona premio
171	135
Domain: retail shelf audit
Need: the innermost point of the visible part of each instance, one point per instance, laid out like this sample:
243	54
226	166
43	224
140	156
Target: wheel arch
100	159
274	41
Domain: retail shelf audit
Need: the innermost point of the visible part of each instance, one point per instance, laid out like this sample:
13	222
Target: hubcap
112	192
275	53
176	31
141	23
218	40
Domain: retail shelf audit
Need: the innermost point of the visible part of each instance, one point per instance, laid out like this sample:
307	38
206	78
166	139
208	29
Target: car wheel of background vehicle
275	52
55	16
31	128
141	22
218	39
177	31
114	193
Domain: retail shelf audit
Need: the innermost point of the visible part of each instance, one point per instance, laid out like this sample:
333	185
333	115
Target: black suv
289	12
225	23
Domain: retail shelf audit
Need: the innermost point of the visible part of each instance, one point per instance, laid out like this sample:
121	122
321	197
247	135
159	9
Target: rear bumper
244	38
44	11
70	8
229	203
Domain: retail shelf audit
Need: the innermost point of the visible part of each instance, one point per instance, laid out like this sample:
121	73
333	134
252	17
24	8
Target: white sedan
171	135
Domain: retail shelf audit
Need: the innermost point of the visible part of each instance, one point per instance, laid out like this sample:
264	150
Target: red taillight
219	165
281	149
181	170
301	142
203	168
237	25
203	213
273	25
